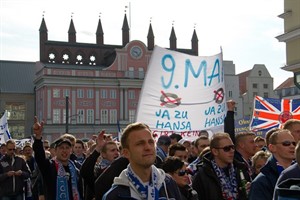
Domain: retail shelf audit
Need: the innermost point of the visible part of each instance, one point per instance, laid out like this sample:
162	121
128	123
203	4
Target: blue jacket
262	187
292	172
121	188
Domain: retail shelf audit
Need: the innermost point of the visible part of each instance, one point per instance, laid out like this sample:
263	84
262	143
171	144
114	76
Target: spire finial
150	20
43	14
173	22
195	25
72	13
126	7
100	15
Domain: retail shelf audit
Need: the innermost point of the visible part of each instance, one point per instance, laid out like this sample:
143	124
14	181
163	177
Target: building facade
83	88
288	90
17	96
291	36
255	82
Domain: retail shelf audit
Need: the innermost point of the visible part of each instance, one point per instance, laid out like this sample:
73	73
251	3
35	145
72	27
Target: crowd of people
220	166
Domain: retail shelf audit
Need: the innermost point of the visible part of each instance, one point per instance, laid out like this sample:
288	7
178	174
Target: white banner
4	132
183	94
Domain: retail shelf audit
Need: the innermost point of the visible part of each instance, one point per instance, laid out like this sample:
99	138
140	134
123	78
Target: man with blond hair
293	125
141	179
245	148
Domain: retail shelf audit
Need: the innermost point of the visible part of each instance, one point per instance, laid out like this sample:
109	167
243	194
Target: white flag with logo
4	132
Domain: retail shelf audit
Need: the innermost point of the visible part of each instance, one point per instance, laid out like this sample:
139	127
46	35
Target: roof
286	84
17	77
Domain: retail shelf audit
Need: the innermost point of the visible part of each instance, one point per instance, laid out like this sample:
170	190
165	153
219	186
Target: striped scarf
62	188
228	184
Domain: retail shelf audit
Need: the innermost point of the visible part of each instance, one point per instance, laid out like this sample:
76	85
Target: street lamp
297	79
67	114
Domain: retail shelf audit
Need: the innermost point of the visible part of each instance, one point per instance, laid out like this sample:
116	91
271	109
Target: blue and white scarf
62	189
146	191
228	184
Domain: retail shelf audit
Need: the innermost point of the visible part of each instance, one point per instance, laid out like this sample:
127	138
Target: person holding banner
141	179
13	172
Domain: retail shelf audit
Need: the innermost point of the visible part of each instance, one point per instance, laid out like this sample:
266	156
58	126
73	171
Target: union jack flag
271	113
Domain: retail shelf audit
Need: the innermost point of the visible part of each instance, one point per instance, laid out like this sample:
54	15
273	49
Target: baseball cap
62	141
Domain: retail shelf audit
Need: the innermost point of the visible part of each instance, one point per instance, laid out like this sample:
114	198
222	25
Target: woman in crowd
175	167
258	161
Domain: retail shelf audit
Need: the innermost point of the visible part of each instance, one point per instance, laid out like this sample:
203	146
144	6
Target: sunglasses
227	148
183	172
287	143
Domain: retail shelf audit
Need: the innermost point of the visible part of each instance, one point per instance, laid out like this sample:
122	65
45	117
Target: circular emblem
170	100
284	116
219	96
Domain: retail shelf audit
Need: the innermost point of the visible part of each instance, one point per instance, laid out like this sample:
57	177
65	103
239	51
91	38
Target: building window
103	93
80	116
131	116
230	93
259	73
141	73
56	116
90	93
17	130
64	116
15	111
104	116
254	85
113	116
90	116
131	94
113	94
266	95
66	93
56	93
266	86
80	93
131	72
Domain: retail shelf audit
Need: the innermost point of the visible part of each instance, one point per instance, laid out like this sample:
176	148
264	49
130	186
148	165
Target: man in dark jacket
219	176
141	179
13	172
60	175
282	146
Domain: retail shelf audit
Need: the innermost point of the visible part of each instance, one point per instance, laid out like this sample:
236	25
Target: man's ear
272	148
126	153
214	151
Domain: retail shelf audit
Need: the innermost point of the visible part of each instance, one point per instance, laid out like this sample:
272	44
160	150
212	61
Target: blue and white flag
4	132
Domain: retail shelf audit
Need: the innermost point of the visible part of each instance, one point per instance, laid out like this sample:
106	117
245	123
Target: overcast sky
245	29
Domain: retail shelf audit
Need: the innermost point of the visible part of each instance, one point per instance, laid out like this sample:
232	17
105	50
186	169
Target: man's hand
230	105
100	141
10	173
37	128
18	173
